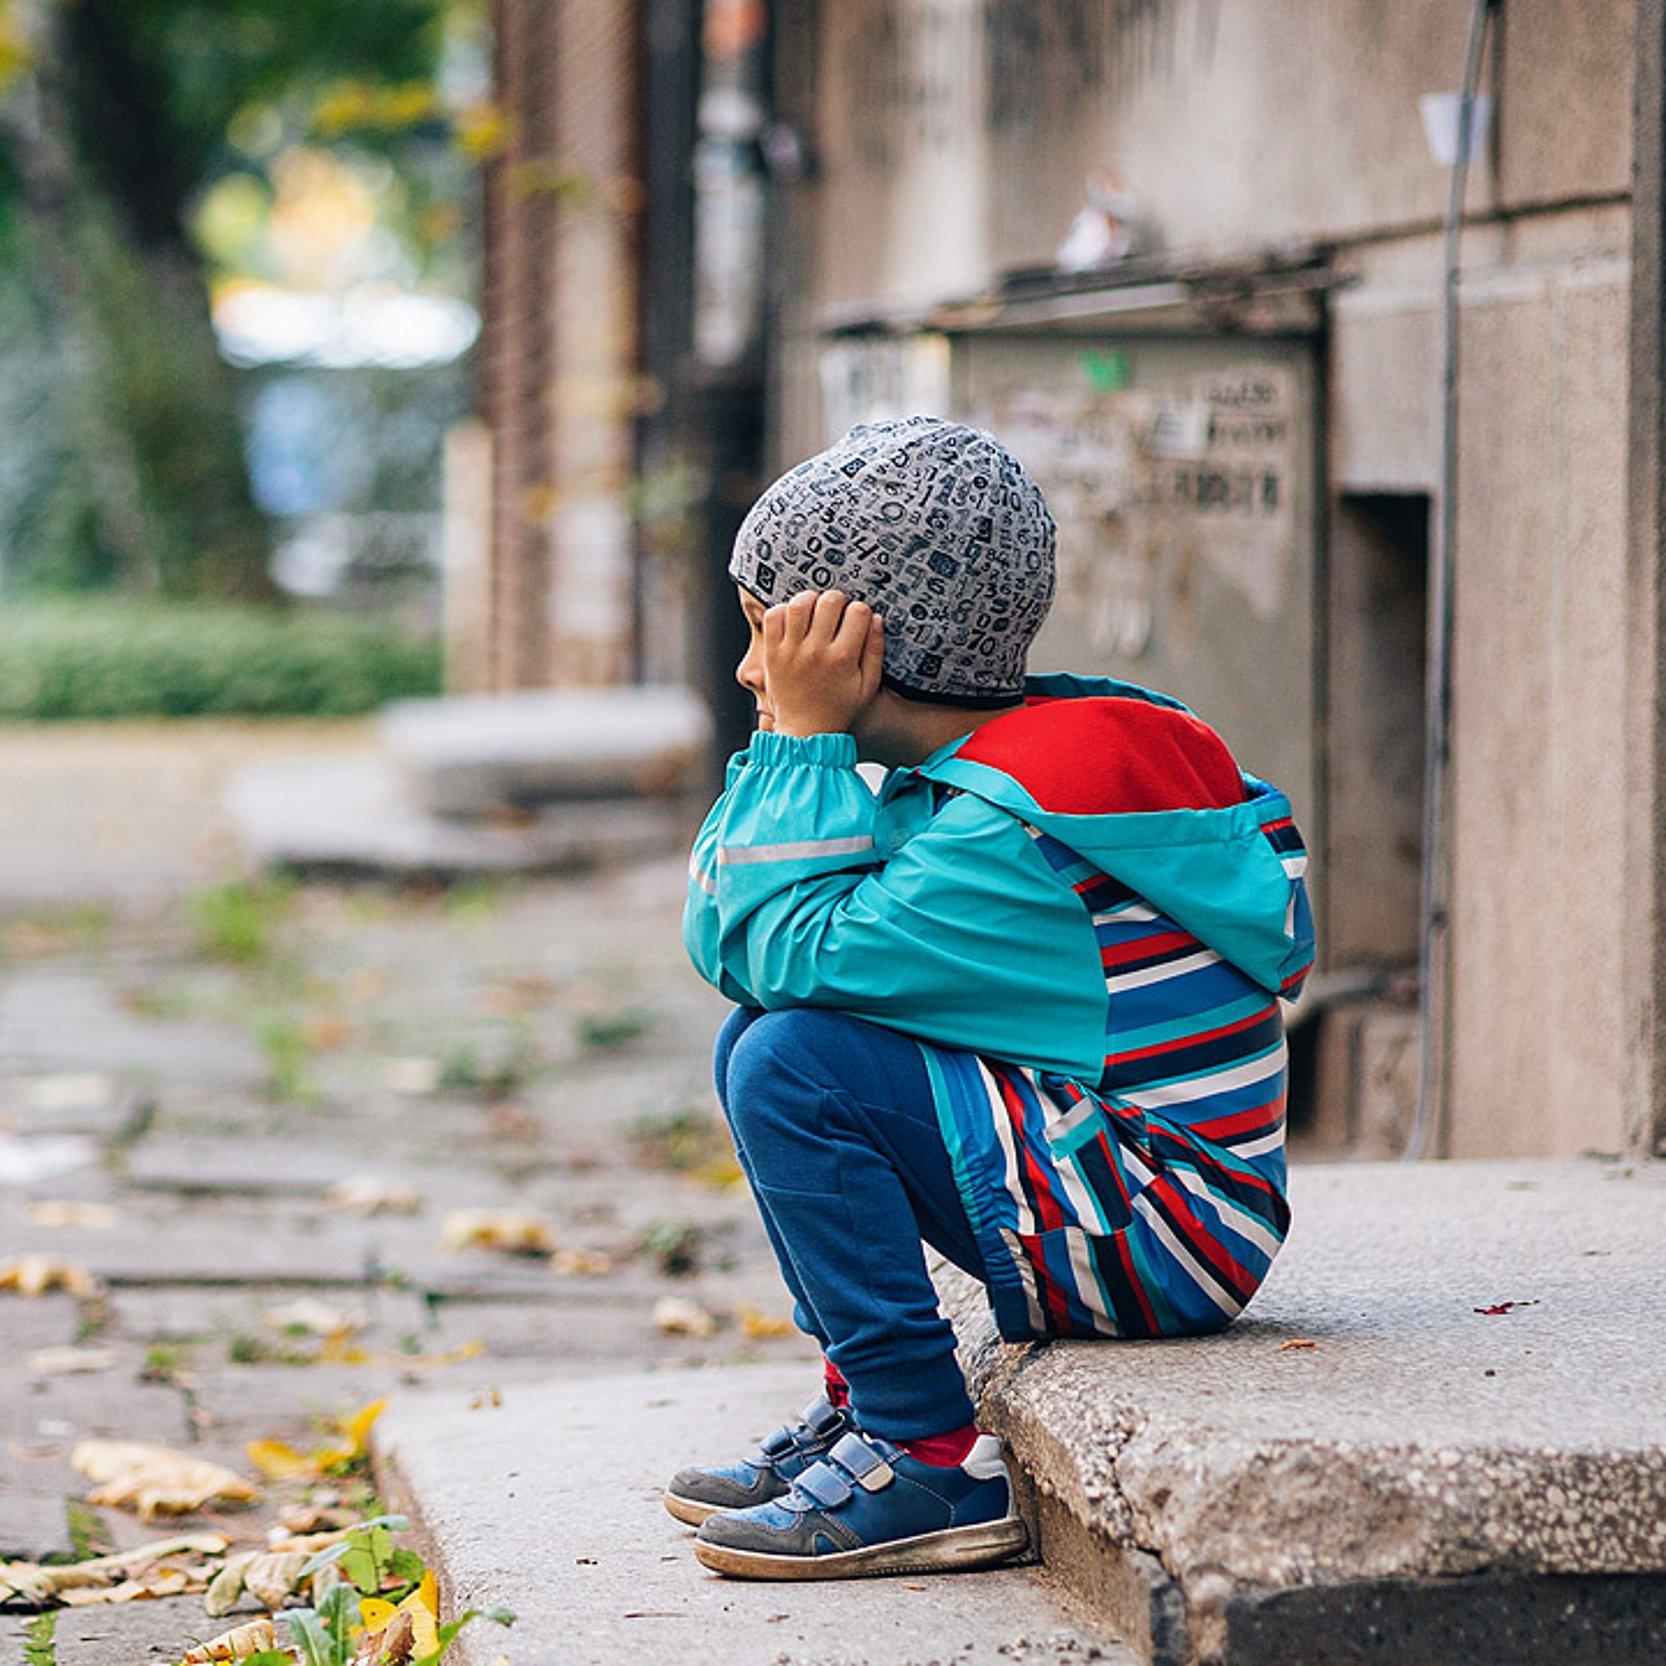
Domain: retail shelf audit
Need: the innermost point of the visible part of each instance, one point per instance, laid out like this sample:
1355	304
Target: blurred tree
115	117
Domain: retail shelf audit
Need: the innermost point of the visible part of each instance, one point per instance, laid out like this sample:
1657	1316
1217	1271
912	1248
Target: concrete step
473	755
351	816
1437	1438
550	1503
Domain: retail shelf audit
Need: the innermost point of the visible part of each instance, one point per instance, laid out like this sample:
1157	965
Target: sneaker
869	1508
766	1475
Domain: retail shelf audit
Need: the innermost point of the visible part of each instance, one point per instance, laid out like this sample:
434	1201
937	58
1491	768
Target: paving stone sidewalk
181	1088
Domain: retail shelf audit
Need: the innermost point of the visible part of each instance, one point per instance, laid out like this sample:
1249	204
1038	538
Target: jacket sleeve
964	936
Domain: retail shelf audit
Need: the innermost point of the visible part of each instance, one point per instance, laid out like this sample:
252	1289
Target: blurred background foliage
98	658
166	164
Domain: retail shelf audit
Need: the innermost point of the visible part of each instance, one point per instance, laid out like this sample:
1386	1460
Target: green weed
238	922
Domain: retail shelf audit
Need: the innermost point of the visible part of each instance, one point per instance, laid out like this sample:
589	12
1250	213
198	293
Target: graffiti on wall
1157	490
929	75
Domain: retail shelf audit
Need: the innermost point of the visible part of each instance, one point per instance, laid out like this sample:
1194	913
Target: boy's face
750	672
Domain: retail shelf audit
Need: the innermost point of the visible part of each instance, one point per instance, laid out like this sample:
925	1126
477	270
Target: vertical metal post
1435	984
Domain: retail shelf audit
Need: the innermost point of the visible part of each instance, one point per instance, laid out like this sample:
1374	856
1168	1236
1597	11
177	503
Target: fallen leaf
358	1425
1294	1343
394	1643
311	1543
369	1194
577	1263
163	1582
723	1173
762	1327
74	1213
1505	1307
677	1316
424	1629
71	1361
154	1480
35	1583
509	1231
37	1275
315	1517
237	1644
271	1575
487	1397
307	1313
277	1460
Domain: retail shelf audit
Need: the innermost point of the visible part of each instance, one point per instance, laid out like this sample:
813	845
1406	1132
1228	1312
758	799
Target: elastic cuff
837	751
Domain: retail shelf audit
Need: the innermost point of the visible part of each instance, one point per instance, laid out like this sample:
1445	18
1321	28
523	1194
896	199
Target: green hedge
109	659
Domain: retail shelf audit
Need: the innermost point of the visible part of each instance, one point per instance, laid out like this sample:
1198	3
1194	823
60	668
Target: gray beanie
935	526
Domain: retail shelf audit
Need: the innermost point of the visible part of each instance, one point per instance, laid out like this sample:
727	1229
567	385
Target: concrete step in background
1437	1438
471	756
335	816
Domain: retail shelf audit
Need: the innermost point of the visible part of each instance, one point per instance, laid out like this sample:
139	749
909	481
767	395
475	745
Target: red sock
946	1451
838	1390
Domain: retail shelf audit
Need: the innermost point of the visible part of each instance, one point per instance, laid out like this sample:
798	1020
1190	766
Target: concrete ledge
547	1498
356	816
472	755
1423	1476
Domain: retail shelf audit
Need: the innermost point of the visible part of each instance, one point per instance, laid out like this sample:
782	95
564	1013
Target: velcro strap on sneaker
777	1445
821	1416
825	1485
866	1466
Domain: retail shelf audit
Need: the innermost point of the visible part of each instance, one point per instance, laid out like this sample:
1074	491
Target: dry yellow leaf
36	1275
278	1539
676	1316
73	1213
271	1575
162	1582
761	1327
357	1427
724	1173
237	1644
376	1612
577	1263
1295	1343
277	1460
425	1635
154	1480
315	1517
509	1231
35	1584
393	1645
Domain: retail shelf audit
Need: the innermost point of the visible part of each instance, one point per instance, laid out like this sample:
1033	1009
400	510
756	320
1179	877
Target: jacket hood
1139	786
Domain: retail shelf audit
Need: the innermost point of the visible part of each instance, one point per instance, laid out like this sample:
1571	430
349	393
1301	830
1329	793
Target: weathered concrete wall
954	138
956	135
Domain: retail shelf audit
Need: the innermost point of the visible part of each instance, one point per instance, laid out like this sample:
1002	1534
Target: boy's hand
822	658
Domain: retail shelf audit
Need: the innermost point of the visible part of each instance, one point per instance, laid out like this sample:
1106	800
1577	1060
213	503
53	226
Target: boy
1022	1005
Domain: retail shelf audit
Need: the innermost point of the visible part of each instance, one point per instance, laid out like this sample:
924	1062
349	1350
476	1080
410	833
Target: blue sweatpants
835	1128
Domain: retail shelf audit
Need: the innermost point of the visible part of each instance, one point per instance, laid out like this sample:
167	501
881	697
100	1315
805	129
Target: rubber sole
954	1549
689	1511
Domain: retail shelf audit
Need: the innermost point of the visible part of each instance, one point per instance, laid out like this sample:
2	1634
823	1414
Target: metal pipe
1434	995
